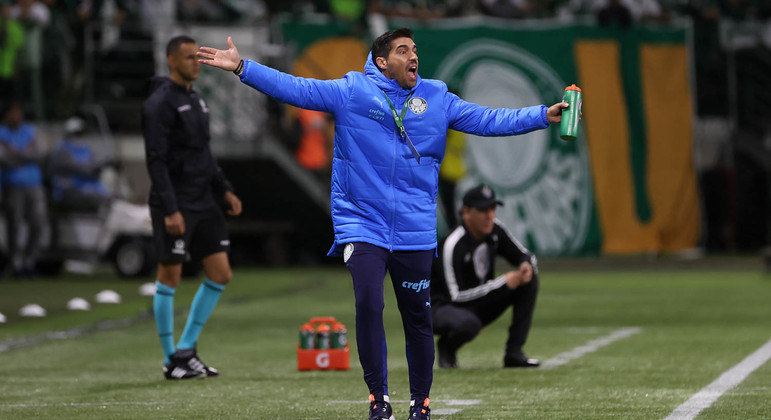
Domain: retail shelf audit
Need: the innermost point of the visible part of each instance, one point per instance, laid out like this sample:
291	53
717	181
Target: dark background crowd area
57	56
51	49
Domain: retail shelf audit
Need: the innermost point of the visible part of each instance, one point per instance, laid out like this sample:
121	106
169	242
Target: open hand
225	59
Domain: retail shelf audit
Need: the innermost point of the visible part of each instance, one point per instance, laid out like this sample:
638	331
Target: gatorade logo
544	181
322	360
423	284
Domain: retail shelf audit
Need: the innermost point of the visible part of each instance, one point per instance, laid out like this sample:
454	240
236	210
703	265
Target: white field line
590	347
461	402
729	379
96	404
28	341
445	411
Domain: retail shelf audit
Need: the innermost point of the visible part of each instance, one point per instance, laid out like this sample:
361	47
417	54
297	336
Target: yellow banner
669	172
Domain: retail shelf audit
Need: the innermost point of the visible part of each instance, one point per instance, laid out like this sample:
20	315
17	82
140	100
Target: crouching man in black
464	294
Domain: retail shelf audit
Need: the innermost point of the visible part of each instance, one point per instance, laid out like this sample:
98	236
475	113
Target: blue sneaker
420	412
380	410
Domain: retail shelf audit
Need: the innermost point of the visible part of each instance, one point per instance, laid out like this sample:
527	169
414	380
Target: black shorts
205	234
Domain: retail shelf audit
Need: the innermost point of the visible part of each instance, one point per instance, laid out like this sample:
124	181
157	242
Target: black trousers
459	323
410	273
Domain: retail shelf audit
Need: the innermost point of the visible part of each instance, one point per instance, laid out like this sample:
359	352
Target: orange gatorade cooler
325	332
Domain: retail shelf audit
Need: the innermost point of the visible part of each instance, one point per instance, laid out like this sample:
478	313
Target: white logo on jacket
482	260
380	101
418	105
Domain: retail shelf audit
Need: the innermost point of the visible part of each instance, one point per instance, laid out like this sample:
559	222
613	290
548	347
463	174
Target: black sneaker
380	410
174	370
189	358
448	356
419	412
519	360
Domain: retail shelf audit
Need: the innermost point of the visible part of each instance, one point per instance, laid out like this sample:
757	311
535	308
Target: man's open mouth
412	71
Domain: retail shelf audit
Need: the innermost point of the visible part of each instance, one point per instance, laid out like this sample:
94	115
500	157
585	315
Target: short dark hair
382	45
5	108
175	42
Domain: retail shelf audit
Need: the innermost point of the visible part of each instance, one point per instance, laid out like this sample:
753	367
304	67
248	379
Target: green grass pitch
695	325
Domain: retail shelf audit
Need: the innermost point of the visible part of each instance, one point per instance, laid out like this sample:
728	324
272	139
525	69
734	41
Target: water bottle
307	336
322	337
571	115
339	336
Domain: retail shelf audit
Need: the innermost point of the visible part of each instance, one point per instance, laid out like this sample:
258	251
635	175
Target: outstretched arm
471	118
480	120
317	95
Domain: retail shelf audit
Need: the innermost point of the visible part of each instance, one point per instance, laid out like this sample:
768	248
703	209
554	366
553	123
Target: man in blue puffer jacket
390	134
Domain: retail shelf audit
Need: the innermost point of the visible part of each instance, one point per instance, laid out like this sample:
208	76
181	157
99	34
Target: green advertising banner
627	184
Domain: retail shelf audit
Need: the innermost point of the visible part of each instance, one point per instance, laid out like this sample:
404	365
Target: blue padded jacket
380	193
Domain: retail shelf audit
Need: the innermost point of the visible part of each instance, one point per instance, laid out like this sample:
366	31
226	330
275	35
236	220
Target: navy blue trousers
410	274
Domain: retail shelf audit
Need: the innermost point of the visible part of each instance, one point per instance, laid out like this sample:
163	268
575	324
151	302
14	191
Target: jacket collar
389	86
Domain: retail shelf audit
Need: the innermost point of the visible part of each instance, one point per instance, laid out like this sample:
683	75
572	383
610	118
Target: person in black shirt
464	294
187	185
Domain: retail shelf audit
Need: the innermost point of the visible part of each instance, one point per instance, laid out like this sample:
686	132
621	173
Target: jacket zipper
393	192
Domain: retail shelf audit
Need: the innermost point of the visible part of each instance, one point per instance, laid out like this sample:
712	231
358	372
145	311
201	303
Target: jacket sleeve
157	118
452	263
513	250
219	182
317	95
485	121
